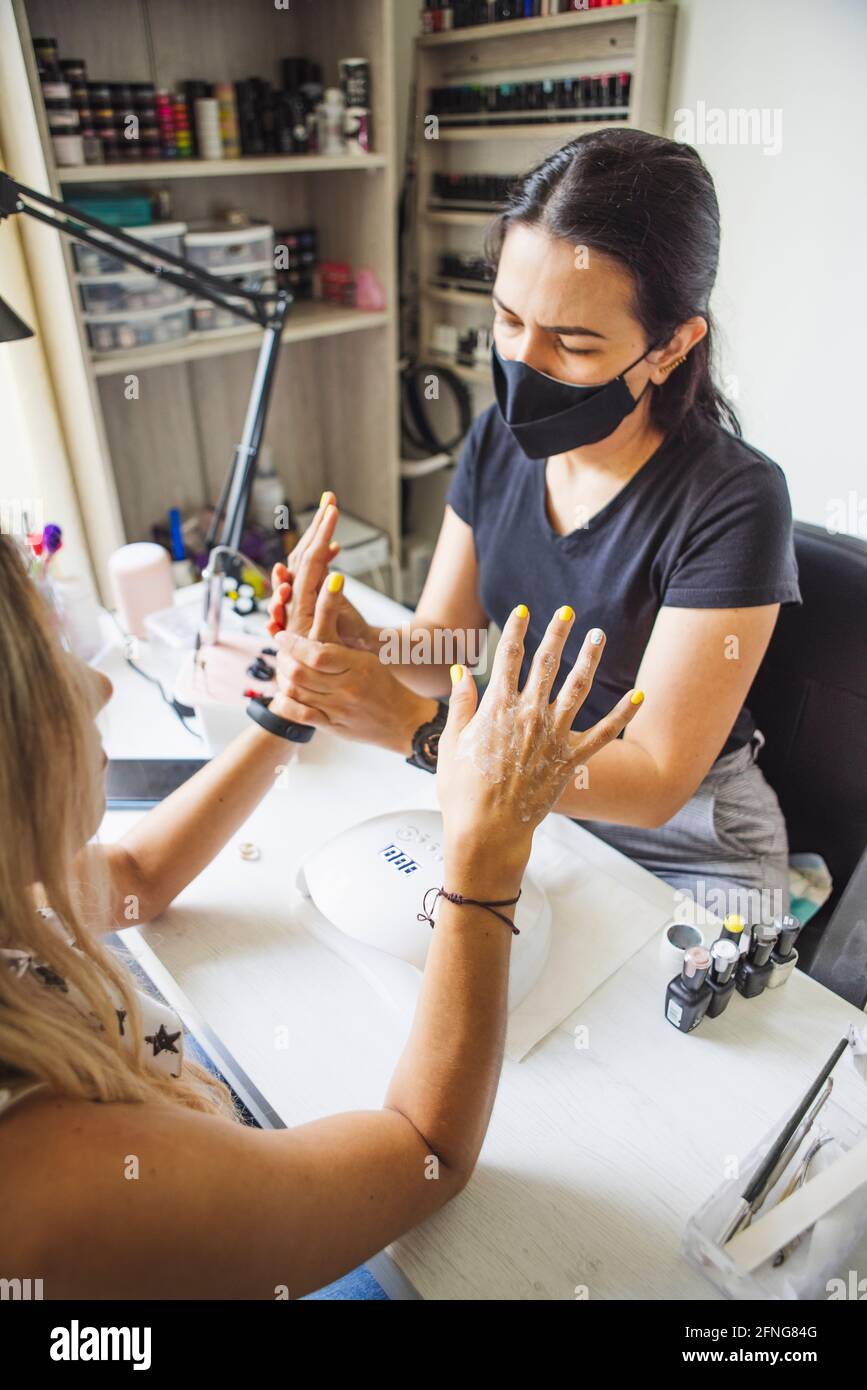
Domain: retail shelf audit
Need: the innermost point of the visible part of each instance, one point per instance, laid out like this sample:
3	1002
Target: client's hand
503	766
295	585
325	681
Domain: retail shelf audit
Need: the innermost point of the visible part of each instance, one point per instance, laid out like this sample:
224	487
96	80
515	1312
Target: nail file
764	1237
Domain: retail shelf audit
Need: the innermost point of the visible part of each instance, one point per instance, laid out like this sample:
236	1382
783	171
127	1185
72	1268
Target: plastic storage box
222	248
212	318
820	1259
127	294
163	236
129	211
147	328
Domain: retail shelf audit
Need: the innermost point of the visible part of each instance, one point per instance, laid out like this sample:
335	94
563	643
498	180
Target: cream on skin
498	741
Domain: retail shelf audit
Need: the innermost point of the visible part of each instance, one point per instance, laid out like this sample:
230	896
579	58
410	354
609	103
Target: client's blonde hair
49	795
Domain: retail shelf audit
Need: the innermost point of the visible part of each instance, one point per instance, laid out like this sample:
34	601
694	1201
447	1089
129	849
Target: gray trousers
726	849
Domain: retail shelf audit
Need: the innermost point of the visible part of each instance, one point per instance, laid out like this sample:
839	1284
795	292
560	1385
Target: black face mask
548	417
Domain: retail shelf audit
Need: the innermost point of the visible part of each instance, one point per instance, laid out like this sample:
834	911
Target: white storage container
148	328
163	236
127	294
212	318
219	248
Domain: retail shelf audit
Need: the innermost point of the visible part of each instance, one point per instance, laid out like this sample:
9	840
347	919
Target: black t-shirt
705	523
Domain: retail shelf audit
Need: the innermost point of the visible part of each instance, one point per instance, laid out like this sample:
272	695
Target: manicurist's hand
326	683
503	765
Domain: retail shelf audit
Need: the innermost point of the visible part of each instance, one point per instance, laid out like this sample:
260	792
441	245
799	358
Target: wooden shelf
458	218
307	320
516	28
478	376
468	297
150	170
531	130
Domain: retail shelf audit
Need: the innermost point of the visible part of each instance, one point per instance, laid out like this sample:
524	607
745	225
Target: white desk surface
595	1157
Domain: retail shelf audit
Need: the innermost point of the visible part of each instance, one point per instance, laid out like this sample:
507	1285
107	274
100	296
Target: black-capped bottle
721	976
755	968
784	957
689	994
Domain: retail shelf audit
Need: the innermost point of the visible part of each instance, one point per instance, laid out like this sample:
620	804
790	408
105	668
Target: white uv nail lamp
370	882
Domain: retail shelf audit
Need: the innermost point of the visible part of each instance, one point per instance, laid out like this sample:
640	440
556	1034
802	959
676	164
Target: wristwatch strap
284	728
425	740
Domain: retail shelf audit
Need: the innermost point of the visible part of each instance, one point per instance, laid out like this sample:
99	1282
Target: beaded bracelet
460	901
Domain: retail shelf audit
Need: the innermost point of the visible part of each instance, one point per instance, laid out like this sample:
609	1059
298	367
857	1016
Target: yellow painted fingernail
566	614
457	674
637	697
325	499
335	583
522	611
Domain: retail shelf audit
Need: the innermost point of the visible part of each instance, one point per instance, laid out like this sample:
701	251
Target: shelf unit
334	411
635	38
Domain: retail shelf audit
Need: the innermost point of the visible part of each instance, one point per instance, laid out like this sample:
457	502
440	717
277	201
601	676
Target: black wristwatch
426	739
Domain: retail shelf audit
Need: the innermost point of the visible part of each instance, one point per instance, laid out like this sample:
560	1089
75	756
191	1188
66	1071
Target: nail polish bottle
755	968
733	930
721	977
784	957
689	994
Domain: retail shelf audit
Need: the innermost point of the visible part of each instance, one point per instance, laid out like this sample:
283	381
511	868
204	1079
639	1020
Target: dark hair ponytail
650	204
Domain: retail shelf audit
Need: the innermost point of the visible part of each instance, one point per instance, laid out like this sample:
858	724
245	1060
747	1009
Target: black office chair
810	701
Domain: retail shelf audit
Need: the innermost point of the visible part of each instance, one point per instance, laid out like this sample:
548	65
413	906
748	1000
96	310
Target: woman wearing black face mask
610	477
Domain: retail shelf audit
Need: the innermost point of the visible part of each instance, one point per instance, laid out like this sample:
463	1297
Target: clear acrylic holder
800	1276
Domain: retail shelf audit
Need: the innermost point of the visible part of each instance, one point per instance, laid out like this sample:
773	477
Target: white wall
791	296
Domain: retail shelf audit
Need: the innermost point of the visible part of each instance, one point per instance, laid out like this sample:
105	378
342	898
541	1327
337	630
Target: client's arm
171	845
227	1211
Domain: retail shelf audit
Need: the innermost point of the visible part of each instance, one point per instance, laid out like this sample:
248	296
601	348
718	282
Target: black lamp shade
11	326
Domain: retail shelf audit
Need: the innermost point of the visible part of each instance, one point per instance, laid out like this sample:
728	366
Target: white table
595	1157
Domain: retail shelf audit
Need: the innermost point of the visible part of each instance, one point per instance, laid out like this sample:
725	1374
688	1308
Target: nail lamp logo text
398	860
